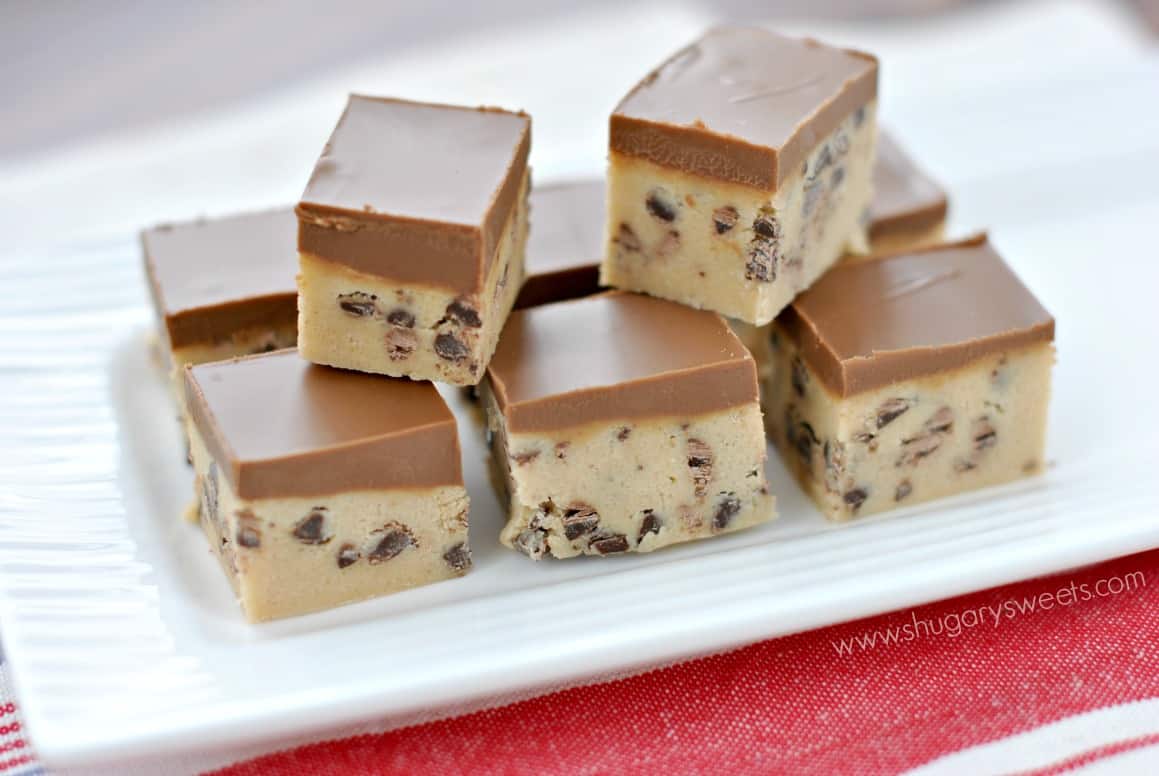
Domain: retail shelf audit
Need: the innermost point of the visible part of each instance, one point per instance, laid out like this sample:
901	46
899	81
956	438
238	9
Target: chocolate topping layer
904	197
280	427
415	192
742	105
213	278
616	356
565	243
869	324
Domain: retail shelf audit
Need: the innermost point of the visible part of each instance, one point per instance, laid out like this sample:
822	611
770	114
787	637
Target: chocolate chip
855	498
790	425
248	533
700	462
669	244
450	348
834	455
724	218
891	410
813	192
904	488
609	544
579	519
649	525
962	465
533	544
209	492
561	450
358	304
400	343
464	314
799	376
726	509
404	319
311	529
348	555
805	441
389	540
837	177
766	225
627	239
659	206
867	439
458	557
624	433
824	159
762	262
524	457
941	422
538	521
984	434
914	449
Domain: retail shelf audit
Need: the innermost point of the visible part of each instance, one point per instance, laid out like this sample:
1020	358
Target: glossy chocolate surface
213	278
415	192
565	243
742	105
905	198
869	324
279	426
616	356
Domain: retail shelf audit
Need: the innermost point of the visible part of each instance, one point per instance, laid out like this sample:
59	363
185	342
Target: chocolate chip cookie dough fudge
411	239
909	208
622	423
910	377
565	243
223	287
739	171
319	487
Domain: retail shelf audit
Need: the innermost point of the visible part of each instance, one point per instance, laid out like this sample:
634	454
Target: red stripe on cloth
795	704
1093	756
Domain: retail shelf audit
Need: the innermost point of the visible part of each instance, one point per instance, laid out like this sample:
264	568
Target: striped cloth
1053	675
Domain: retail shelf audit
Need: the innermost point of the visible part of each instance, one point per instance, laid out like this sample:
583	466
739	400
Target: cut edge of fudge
452	252
692	143
635	446
728	378
301	468
1019	318
191	313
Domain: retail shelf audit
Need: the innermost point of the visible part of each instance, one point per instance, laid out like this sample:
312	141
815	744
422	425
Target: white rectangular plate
125	640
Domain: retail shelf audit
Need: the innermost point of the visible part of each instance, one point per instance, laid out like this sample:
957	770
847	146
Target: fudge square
411	239
739	171
565	243
909	208
224	287
623	423
318	487
906	378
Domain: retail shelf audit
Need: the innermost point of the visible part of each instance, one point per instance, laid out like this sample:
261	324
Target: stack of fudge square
775	266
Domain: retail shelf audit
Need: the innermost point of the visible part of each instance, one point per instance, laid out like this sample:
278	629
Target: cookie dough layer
739	250
634	486
915	440
373	324
290	556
